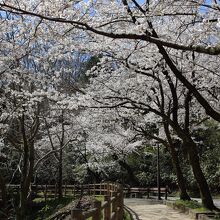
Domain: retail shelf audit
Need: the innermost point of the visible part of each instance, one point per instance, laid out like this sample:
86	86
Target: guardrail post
107	210
76	214
72	190
98	212
45	193
148	193
94	188
81	190
166	191
88	189
100	189
55	193
108	190
65	190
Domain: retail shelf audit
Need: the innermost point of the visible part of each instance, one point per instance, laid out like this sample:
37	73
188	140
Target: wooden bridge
112	208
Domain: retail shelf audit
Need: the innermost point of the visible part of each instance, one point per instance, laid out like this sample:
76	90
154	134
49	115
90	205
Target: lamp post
158	172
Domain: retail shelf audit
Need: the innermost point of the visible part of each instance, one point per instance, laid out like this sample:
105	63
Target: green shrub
192	204
126	215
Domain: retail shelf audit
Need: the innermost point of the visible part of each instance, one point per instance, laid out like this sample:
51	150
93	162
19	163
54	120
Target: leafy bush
192	204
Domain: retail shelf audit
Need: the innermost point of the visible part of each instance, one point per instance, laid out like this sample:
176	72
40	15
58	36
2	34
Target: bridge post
114	207
121	203
98	213
107	210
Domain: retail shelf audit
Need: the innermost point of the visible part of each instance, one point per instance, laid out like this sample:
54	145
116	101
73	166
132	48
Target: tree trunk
21	211
192	153
3	192
60	166
175	160
25	184
199	176
60	174
193	157
27	171
180	179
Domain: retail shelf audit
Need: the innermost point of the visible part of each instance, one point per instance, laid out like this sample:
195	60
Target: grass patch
99	198
41	210
202	209
192	204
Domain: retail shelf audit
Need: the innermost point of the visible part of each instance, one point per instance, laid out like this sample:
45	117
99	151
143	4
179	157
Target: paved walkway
150	210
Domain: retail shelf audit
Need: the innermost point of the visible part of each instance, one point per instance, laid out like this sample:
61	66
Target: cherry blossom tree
27	84
196	31
166	98
106	139
160	58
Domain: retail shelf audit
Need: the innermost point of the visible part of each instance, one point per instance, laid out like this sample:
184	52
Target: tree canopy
95	85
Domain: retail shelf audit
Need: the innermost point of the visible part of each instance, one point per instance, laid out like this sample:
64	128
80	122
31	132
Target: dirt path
149	210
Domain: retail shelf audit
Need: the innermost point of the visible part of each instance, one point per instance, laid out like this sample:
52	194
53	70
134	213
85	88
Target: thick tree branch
215	50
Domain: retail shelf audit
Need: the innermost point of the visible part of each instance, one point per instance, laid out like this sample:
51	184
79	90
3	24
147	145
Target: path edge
132	213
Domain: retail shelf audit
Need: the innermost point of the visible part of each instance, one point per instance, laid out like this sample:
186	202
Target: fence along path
110	209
